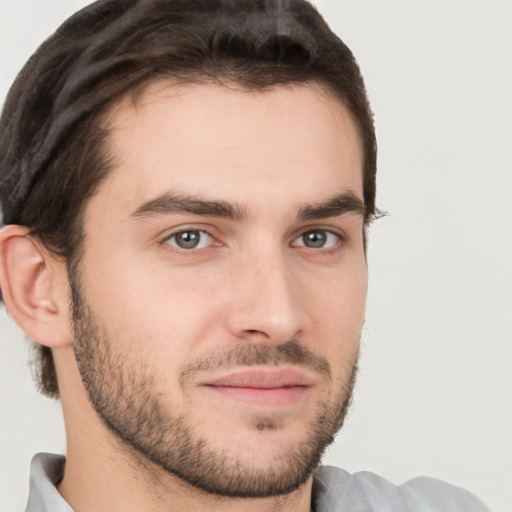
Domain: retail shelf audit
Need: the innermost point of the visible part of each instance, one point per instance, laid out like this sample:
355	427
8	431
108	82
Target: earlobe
34	287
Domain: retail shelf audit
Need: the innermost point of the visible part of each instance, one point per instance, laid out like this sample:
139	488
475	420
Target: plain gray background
434	392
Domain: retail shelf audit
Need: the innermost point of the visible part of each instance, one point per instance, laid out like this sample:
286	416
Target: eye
190	239
318	239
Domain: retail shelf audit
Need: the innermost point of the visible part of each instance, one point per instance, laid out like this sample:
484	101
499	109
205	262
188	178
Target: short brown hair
52	143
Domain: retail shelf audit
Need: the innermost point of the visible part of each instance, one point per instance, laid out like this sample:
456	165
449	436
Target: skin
252	281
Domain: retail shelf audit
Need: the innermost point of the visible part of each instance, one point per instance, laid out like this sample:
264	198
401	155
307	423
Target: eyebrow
168	204
334	207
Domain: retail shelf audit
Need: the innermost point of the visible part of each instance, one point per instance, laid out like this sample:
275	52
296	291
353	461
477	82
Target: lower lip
274	397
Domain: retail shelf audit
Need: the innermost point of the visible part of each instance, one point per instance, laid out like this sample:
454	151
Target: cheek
339	296
338	314
159	313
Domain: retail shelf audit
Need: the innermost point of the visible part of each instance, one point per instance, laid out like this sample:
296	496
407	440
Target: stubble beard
123	394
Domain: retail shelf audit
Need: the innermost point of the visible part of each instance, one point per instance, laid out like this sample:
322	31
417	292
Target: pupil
314	239
188	239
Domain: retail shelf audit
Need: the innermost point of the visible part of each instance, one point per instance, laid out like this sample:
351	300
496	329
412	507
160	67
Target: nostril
255	331
255	334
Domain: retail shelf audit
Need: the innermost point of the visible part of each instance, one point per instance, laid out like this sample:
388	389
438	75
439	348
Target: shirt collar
45	473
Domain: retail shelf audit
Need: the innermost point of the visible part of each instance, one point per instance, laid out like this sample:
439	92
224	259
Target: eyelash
341	240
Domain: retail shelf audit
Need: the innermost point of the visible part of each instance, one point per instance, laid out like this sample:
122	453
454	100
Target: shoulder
335	489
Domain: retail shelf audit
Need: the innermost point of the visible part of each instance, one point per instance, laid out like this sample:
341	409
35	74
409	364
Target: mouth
263	387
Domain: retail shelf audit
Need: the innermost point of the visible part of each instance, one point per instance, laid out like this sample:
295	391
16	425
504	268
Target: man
185	191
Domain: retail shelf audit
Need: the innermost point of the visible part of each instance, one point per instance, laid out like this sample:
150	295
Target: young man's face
221	293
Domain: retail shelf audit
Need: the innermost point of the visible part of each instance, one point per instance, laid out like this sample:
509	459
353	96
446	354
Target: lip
263	378
280	387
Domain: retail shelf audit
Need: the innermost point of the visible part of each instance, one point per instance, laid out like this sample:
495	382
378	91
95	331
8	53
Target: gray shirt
334	490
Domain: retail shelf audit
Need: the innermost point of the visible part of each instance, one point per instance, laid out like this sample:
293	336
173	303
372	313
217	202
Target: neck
108	478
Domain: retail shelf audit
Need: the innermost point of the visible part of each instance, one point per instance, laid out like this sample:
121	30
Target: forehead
233	143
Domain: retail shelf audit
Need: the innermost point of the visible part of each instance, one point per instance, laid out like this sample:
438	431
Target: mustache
259	354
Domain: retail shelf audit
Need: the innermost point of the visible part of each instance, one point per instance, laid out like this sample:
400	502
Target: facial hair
122	392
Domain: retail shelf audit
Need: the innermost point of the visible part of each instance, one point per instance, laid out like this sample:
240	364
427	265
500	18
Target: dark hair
52	141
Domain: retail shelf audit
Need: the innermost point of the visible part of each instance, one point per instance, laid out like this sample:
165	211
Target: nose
268	303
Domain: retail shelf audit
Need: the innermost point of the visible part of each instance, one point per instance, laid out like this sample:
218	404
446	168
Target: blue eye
317	239
190	239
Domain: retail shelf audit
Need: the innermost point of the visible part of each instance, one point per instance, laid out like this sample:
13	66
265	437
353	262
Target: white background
434	393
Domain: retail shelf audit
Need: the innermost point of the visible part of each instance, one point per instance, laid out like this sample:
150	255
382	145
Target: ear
35	287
